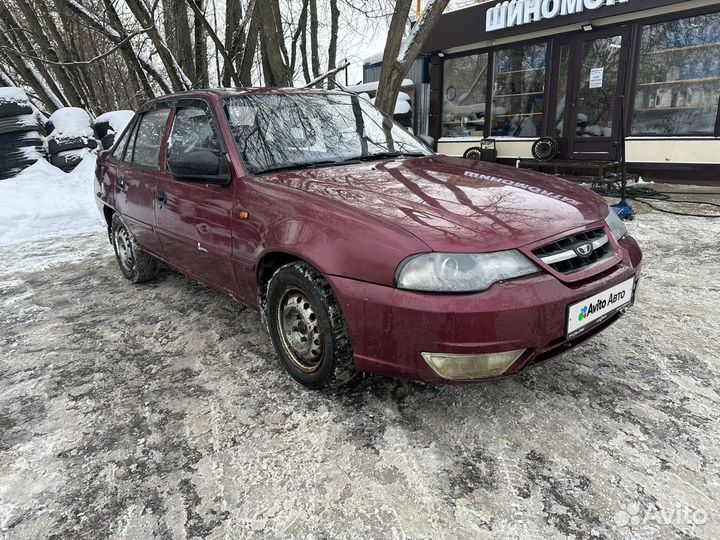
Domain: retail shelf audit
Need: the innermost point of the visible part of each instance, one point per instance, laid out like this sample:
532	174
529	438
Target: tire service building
582	71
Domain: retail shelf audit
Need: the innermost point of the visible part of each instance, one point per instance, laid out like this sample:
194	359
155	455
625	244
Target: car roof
224	93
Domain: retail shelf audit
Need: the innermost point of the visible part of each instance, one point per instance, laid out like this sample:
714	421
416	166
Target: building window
464	89
678	82
519	91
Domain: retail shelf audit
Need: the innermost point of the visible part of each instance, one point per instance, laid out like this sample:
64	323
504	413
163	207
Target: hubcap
300	330
123	246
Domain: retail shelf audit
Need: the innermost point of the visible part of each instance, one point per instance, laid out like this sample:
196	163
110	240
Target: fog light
471	366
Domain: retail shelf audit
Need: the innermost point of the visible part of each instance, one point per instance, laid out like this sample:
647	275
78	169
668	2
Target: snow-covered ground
161	411
43	201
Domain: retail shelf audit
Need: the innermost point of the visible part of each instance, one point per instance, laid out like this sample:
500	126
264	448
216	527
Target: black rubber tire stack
20	142
63	150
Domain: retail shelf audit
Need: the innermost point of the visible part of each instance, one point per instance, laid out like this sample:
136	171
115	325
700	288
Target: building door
591	75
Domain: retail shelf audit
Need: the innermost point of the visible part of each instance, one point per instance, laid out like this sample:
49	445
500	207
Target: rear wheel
136	265
307	328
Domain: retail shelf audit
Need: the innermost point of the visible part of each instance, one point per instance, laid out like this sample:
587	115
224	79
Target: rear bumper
391	328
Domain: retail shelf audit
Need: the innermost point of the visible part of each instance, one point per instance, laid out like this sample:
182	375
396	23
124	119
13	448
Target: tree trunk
178	78
233	14
399	56
20	45
303	55
314	48
274	65
332	50
299	31
202	80
128	53
248	56
59	73
177	34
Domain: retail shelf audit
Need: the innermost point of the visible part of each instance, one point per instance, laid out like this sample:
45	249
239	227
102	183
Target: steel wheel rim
123	247
301	333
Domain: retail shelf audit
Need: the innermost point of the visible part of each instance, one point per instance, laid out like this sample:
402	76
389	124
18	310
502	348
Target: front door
194	220
592	70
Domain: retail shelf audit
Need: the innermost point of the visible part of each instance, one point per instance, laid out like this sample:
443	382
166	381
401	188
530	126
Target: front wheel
136	265
307	327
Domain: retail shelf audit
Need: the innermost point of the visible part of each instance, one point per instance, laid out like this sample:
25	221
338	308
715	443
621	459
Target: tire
73	143
10	141
15	124
66	161
108	140
136	265
14	108
307	328
101	128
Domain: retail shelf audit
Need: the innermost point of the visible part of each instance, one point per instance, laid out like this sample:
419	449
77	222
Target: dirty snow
43	201
161	411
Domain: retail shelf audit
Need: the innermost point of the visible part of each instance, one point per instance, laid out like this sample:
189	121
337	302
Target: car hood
455	204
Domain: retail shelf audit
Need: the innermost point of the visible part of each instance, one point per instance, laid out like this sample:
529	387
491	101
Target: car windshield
299	130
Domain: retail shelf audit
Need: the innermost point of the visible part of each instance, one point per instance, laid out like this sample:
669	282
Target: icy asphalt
160	411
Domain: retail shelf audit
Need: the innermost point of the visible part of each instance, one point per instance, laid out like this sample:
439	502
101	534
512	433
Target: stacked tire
110	125
21	144
70	137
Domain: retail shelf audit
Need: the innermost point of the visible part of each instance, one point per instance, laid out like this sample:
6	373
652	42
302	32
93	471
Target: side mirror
202	166
428	140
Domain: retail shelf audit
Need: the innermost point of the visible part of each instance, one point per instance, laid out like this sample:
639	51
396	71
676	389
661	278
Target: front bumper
390	328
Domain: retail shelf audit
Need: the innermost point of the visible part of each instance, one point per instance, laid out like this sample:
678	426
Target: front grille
562	257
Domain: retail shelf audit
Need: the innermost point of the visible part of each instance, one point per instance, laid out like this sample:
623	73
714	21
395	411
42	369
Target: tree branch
85	62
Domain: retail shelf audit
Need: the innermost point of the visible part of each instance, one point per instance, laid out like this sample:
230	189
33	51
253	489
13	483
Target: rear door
137	178
194	219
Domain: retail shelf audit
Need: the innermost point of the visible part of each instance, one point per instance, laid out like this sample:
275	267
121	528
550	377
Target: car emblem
584	250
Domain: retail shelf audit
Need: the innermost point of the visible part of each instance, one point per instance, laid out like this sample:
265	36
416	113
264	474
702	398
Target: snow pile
70	138
70	122
116	120
12	94
43	201
402	104
373	86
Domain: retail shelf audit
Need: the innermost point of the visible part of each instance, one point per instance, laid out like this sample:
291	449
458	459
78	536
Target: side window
192	131
127	156
120	147
149	136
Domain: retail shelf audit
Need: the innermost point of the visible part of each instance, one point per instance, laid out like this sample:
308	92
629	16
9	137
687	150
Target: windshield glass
277	131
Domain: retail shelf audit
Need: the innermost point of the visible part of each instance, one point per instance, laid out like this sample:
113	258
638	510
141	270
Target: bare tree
177	34
274	55
332	50
399	55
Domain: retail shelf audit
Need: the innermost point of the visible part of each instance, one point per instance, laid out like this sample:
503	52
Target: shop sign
513	13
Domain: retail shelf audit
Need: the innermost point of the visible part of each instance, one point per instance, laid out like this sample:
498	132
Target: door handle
121	185
161	197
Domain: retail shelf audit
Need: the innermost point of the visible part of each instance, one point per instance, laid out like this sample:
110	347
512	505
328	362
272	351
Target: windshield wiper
298	166
388	155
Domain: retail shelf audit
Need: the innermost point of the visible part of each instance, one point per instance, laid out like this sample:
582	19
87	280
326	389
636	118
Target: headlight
460	272
616	225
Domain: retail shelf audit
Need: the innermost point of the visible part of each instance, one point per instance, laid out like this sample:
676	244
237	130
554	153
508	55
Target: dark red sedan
363	250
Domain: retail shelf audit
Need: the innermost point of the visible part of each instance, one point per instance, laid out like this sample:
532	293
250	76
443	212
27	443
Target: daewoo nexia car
363	250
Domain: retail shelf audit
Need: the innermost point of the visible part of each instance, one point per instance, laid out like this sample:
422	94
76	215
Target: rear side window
192	131
149	136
